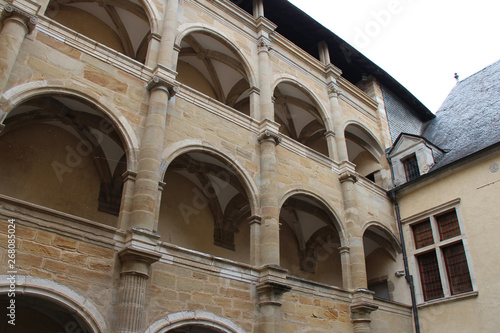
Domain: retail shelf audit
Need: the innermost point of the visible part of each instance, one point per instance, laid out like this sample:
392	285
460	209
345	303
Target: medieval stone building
196	166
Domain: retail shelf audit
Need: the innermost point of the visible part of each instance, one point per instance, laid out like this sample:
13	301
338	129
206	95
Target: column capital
136	261
268	135
255	220
329	133
361	307
264	44
158	82
347	176
333	90
11	10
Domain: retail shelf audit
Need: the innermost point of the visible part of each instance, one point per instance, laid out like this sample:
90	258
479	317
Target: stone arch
125	26
207	319
308	192
19	94
191	145
381	250
325	115
310	238
61	295
300	115
364	150
188	28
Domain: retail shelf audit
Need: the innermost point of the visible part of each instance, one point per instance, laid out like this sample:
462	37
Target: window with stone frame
441	257
411	167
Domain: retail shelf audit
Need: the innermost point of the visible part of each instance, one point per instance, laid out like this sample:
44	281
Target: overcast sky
421	43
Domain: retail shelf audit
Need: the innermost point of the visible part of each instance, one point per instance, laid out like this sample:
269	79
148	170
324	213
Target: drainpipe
408	276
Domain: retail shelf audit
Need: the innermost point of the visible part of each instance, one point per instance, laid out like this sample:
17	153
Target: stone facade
208	175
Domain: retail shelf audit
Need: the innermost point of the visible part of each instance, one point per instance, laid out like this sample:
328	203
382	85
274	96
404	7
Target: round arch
367	132
19	94
59	294
283	78
389	234
309	193
207	319
154	16
194	145
188	28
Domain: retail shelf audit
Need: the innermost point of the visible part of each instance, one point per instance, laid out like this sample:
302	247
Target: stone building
197	166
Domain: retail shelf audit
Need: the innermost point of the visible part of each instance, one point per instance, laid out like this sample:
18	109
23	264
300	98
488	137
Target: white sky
421	43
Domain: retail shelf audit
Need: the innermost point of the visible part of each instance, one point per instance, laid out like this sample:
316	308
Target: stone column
270	289
255	222
361	308
166	51
355	238
146	192
333	94
269	230
346	266
16	25
136	263
332	145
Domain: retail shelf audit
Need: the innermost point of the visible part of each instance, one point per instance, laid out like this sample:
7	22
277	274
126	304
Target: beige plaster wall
477	188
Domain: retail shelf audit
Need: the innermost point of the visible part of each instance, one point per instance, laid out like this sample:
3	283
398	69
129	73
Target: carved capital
137	261
333	90
348	177
329	133
264	44
158	83
28	19
268	136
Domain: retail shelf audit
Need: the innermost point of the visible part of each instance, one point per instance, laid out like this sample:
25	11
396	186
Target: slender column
166	52
16	25
255	222
258	8
127	198
356	251
341	148
149	166
266	104
269	241
346	266
332	145
132	293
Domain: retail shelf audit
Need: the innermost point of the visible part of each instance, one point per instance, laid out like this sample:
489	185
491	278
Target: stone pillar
333	94
143	212
265	28
127	199
16	25
270	289
255	222
166	52
346	266
136	263
361	308
269	230
332	145
258	8
356	251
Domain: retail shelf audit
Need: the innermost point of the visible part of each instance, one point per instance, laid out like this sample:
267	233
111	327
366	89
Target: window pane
458	270
423	234
448	225
411	167
429	275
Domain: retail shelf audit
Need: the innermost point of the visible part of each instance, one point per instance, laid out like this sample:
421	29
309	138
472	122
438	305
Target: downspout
408	276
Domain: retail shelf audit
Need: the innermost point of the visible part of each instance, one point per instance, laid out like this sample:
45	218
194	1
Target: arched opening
299	117
381	252
310	241
212	66
61	153
34	314
121	25
205	207
195	329
364	151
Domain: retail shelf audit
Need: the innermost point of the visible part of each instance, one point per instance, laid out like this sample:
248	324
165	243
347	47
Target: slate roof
469	119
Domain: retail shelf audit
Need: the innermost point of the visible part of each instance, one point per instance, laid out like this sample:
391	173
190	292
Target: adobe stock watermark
92	139
379	21
11	271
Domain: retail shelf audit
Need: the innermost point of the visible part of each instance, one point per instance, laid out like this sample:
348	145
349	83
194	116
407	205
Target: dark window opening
411	167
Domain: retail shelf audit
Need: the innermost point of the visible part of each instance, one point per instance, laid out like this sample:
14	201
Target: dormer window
411	167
